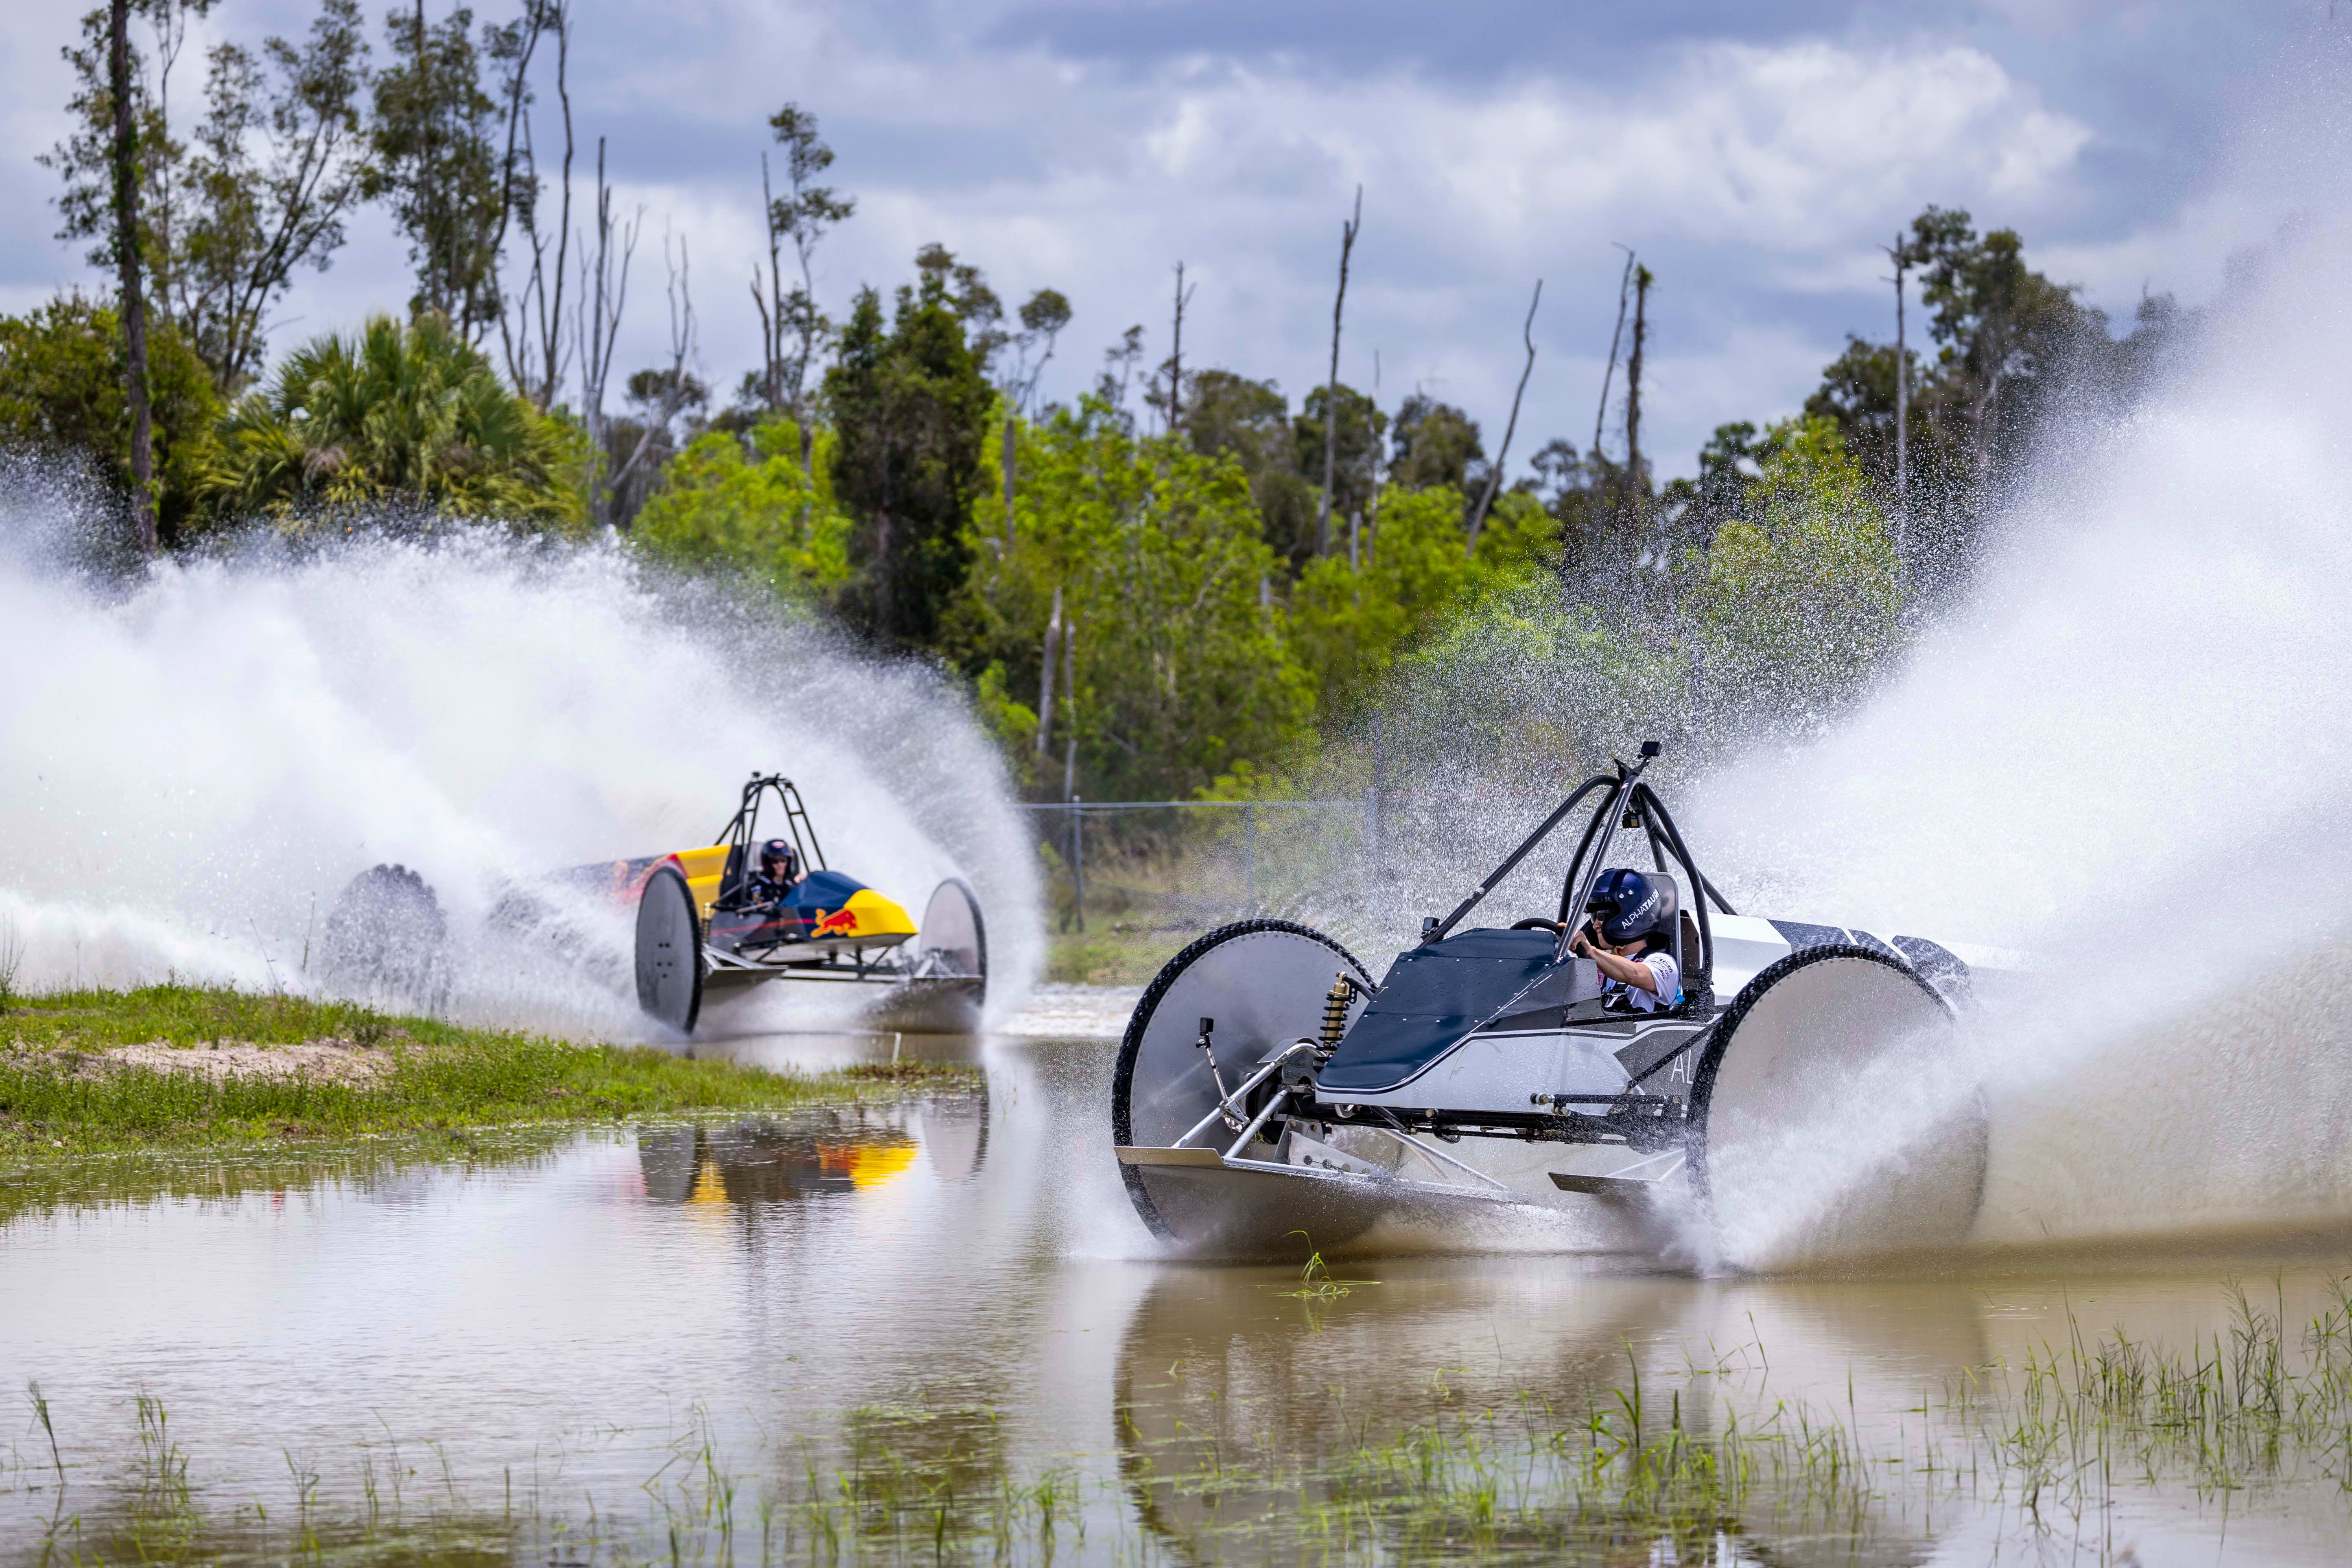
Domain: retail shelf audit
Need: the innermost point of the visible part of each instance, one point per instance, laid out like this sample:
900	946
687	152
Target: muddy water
610	1344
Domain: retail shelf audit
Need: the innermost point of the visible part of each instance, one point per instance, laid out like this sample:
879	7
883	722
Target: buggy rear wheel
1263	982
1834	1117
669	951
386	941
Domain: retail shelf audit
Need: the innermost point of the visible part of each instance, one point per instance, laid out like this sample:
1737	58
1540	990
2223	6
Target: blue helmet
1629	906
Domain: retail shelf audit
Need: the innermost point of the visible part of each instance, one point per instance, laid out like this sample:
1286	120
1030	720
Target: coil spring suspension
1343	991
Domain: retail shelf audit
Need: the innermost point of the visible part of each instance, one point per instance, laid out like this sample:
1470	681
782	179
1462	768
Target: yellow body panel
874	916
703	870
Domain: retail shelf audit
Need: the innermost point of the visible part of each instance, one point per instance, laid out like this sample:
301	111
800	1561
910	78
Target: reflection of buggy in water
1266	1087
818	1153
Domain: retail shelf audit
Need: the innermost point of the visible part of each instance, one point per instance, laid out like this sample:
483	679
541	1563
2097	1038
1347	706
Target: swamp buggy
1270	1095
702	927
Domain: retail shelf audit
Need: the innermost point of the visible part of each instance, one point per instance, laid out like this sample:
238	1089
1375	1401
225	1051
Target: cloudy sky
1755	156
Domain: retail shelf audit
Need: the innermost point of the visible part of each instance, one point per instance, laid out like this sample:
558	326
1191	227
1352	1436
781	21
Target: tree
127	262
1796	600
403	417
1181	674
64	389
909	402
746	505
1228	415
1349	448
2005	329
538	337
436	167
1350	623
1434	445
664	407
276	170
792	327
260	189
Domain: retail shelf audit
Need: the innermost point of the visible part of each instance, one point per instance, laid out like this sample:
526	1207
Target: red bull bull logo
841	923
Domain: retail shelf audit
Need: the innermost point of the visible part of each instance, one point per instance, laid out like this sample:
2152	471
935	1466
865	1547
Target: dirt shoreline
323	1060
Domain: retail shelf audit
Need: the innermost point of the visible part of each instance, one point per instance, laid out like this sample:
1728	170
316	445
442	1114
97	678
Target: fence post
1078	859
1249	856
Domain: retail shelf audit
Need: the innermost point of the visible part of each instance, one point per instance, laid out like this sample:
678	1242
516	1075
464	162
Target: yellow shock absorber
1335	1010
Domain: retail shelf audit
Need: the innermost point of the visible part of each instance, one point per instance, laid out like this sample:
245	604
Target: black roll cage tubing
1627	796
741	827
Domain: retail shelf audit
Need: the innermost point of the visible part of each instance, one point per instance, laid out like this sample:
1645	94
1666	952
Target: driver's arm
1624	971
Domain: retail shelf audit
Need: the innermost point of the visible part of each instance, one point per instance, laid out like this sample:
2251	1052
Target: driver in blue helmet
1626	937
779	872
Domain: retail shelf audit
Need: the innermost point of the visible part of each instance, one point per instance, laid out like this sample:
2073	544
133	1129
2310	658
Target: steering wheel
1537	922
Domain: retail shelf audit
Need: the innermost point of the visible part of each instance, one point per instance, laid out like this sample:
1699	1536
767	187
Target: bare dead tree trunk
603	293
538	368
1176	355
681	351
1331	389
1635	489
1046	676
770	305
1494	474
1624	292
127	263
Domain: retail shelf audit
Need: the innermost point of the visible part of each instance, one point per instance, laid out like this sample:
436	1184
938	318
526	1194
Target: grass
437	1077
1114	952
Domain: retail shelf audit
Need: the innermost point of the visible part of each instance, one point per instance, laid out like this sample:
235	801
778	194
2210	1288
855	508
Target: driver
779	873
1626	937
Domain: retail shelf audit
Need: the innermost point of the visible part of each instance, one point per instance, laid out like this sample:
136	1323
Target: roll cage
742	829
1626	802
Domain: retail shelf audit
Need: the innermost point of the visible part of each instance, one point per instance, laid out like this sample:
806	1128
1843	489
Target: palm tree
399	415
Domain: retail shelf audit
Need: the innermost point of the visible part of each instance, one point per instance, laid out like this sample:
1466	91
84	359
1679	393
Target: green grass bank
187	1067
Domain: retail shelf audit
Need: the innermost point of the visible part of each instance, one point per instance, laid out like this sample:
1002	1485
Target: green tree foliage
1350	623
744	505
1797	599
1356	470
910	403
1183	673
276	170
1435	444
62	376
258	190
436	166
1227	414
397	415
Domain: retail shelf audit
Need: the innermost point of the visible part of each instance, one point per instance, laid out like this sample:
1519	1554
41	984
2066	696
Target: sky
1757	157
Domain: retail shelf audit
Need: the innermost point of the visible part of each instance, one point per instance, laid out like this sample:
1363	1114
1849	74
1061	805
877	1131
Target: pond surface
936	1332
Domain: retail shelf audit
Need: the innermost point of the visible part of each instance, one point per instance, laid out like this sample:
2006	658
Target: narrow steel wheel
1833	1117
669	951
1263	982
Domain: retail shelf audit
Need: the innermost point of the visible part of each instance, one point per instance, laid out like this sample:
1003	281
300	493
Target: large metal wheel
953	935
386	941
1831	1118
1264	982
669	951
